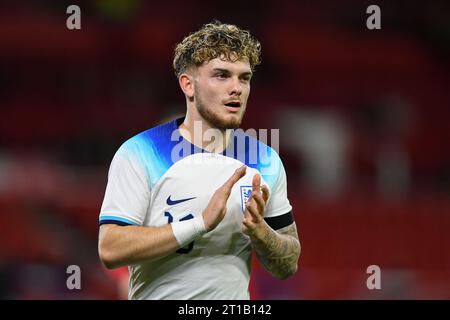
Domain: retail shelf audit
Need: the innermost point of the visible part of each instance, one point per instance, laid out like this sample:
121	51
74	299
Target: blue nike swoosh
171	202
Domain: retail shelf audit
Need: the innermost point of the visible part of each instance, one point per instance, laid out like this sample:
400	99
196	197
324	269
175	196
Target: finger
228	185
256	183
266	193
251	208
247	214
249	225
260	203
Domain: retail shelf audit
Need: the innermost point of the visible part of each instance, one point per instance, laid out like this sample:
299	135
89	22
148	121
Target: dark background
363	118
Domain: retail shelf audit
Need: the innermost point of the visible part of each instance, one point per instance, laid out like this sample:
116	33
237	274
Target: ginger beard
218	117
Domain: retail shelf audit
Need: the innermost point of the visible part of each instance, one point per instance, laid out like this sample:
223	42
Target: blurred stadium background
364	135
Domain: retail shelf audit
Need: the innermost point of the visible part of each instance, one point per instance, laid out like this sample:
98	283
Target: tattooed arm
278	250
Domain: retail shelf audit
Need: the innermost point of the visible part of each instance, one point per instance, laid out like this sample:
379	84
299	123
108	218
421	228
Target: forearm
278	251
119	246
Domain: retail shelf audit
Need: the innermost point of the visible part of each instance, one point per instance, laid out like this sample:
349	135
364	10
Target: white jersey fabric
158	177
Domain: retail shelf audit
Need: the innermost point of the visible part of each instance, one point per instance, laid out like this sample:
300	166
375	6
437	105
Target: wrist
188	230
259	233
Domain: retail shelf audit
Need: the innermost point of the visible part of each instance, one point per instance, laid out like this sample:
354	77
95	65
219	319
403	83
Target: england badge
246	192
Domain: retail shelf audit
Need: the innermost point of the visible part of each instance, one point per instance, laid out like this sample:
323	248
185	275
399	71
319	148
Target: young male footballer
188	200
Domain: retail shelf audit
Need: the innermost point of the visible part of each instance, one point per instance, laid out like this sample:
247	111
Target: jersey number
187	248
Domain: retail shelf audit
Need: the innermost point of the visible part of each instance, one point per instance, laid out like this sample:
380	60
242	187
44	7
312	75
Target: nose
236	87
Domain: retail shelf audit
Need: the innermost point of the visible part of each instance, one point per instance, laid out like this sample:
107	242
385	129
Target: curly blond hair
215	40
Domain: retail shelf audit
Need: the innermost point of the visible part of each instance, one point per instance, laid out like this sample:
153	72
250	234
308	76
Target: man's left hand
253	222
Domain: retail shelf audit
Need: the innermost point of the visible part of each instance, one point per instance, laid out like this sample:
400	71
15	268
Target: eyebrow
246	73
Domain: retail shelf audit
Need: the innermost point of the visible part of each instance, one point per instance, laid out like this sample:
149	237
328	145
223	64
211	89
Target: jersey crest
246	192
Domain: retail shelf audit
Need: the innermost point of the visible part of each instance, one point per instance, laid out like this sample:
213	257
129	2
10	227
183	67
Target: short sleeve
278	201
127	192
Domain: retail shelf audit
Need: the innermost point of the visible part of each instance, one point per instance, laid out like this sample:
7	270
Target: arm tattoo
279	251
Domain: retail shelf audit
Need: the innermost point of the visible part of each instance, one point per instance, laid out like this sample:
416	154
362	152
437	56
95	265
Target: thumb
228	185
256	183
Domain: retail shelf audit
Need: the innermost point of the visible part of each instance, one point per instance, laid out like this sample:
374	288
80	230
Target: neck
201	134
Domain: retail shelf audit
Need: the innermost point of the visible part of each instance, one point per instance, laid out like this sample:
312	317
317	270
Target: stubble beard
214	119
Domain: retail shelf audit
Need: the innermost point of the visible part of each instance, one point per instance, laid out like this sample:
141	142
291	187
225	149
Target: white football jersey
158	177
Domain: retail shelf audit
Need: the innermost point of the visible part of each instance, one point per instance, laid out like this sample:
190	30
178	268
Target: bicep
278	203
127	194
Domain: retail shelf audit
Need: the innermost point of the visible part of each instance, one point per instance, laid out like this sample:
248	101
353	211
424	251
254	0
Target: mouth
233	106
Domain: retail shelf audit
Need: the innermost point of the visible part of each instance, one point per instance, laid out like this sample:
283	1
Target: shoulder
148	142
149	151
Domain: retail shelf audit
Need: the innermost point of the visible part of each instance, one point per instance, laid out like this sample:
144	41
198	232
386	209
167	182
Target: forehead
238	66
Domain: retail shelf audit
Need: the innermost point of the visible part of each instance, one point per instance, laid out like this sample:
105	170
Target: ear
186	82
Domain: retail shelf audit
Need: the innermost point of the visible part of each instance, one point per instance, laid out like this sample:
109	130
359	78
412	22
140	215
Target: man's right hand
217	206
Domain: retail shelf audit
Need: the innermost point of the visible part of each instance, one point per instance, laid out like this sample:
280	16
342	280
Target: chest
187	187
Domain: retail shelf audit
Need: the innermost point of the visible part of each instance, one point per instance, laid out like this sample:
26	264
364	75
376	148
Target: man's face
221	92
